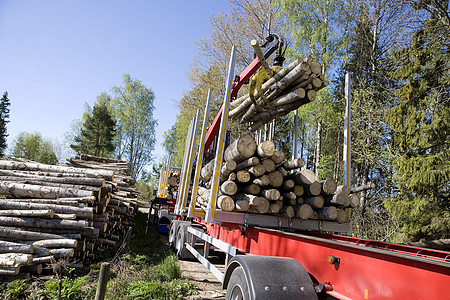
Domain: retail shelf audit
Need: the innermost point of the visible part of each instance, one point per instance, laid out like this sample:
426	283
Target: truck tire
173	233
181	238
237	286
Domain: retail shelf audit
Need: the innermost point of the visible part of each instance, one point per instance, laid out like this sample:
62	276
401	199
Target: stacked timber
49	212
173	182
290	88
259	179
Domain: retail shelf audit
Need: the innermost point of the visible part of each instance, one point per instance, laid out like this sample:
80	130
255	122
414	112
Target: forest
397	54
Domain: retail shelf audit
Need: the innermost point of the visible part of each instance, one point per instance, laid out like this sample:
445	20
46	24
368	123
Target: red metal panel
362	271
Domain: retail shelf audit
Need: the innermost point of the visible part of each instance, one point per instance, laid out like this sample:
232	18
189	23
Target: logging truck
280	229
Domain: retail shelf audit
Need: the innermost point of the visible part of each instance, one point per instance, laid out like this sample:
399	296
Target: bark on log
289	198
294	164
34	191
271	194
253	189
12	247
336	199
362	188
242	148
62	252
315	202
262	181
257	170
10	271
313	189
246	163
27	235
29	166
354	200
81	212
328	213
44	213
57	243
328	186
44	260
15	259
43	223
207	171
242	205
343	189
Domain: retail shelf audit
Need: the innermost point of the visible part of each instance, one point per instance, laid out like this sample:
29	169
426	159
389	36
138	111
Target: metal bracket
244	225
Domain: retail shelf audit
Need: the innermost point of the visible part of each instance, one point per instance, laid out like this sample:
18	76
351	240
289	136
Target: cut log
242	148
315	202
271	194
9	271
313	189
303	211
268	164
300	200
29	191
362	188
49	259
299	190
276	178
43	223
278	157
11	233
342	216
289	198
294	164
288	184
253	189
354	200
266	149
328	213
257	170
81	212
343	189
59	243
47	214
62	252
243	176
15	259
33	166
225	203
228	188
262	181
33	269
252	199
288	211
328	186
246	163
242	205
207	171
336	199
275	207
226	169
11	247
262	207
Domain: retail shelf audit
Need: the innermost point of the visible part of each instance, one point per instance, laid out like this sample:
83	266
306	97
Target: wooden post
102	281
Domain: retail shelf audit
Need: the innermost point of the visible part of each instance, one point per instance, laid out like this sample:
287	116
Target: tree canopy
34	147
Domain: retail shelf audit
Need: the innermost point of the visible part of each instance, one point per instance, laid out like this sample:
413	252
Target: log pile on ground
258	179
290	88
67	212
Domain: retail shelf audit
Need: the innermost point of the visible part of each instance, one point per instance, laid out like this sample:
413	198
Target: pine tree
97	132
4	115
421	132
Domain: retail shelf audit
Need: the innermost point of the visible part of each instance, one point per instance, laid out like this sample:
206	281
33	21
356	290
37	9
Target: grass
147	270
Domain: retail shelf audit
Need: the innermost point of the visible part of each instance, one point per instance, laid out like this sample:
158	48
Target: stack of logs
64	212
173	182
290	88
258	179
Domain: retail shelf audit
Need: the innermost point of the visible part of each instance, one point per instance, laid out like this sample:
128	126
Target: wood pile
67	212
258	179
292	87
172	183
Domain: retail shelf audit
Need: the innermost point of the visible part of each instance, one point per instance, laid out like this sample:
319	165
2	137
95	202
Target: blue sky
57	55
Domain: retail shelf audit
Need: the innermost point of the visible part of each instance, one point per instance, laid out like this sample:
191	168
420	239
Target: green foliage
97	130
4	115
167	270
34	147
133	108
421	134
71	288
17	287
177	289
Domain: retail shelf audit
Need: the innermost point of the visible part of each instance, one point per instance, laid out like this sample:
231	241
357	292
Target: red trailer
271	257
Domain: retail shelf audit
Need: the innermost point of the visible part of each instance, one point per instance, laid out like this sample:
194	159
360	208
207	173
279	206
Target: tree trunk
303	211
315	202
81	212
46	214
29	191
252	161
43	223
328	213
328	186
242	148
266	149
